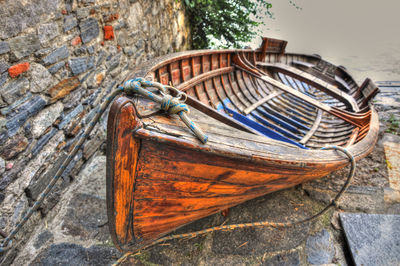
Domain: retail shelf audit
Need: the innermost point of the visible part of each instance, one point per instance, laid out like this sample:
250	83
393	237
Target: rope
171	104
262	223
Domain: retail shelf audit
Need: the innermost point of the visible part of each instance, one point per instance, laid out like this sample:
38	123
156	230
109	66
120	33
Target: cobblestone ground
75	232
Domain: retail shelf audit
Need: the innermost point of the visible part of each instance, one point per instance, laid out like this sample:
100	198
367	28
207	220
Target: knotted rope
169	103
230	227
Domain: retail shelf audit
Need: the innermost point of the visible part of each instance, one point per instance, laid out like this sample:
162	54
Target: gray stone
2	166
3	66
3	79
42	52
114	62
91	49
13	147
4	47
43	141
373	239
82	12
14	90
11	108
89	29
73	254
91	62
80	51
70	22
47	32
45	118
285	259
25	111
320	248
57	55
67	118
18	15
42	238
23	46
40	78
78	65
54	68
101	57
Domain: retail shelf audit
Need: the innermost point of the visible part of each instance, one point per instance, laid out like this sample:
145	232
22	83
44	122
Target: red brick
75	41
108	33
17	70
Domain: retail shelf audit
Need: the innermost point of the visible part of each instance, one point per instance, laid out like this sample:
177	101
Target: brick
89	30
75	41
18	69
70	22
13	147
4	47
63	88
24	46
56	56
23	113
14	90
108	33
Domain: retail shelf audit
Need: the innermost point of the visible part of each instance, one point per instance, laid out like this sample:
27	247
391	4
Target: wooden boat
267	114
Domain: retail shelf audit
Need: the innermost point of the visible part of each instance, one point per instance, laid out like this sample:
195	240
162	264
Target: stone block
82	13
320	248
18	69
11	108
114	62
13	147
285	259
2	167
63	88
41	79
18	15
14	90
78	65
373	239
70	22
3	66
54	68
43	141
4	47
45	118
89	29
25	45
3	79
56	56
67	118
80	51
25	111
47	32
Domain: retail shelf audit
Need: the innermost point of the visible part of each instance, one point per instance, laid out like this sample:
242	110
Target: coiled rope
230	227
173	105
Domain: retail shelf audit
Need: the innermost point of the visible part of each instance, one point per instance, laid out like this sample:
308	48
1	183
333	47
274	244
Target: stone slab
373	239
391	145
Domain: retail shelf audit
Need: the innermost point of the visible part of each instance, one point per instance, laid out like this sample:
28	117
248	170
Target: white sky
363	35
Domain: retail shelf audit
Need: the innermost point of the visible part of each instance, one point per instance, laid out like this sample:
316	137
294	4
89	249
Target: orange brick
108	33
17	70
75	41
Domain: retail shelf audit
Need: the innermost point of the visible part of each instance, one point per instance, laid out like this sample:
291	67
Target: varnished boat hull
158	182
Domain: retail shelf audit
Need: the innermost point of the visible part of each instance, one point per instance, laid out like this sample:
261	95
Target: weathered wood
160	177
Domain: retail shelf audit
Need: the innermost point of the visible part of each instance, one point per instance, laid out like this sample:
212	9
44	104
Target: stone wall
58	61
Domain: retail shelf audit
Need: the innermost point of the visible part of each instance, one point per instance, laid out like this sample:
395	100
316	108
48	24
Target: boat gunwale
149	68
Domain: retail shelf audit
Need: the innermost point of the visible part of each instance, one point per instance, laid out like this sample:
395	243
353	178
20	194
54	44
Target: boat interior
297	99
